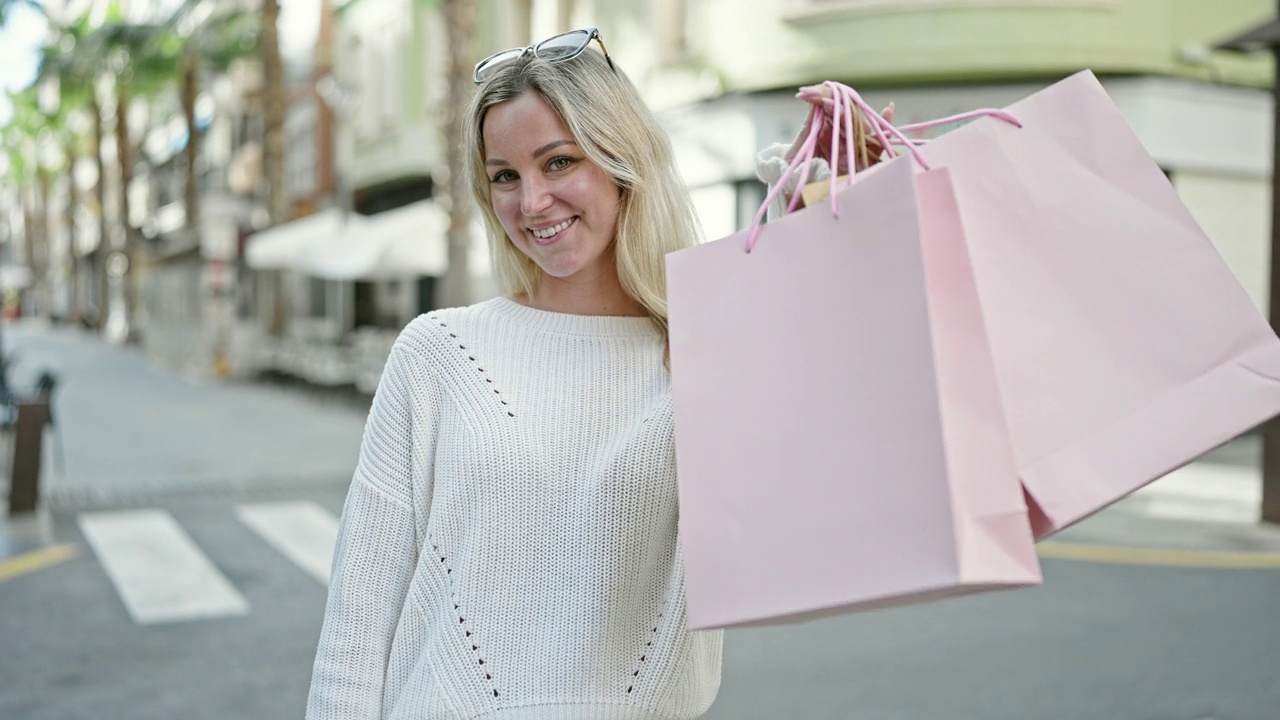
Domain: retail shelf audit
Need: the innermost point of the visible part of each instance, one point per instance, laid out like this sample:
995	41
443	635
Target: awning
1263	36
287	246
14	277
405	242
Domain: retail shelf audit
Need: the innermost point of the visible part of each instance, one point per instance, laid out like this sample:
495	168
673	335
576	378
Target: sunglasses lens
493	62
562	46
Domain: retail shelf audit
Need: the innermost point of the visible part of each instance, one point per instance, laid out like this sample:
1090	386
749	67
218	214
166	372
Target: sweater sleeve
772	162
373	562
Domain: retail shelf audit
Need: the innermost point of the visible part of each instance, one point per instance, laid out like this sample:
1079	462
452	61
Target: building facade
723	74
726	72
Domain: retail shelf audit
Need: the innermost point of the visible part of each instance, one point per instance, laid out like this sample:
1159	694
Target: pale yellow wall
753	45
1234	213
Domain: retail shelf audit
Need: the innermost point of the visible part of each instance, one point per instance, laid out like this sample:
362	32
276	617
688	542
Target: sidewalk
126	432
1211	504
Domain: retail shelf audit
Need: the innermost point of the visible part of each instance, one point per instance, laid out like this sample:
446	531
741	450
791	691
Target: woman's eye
560	163
504	176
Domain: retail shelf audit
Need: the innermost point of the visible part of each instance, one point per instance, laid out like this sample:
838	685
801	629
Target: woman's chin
561	268
559	272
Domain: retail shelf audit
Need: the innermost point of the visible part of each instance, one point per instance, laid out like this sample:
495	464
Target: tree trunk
74	311
190	86
132	278
29	232
460	21
40	247
273	112
273	153
104	238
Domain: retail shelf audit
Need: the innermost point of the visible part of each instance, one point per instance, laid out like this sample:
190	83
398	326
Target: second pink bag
1124	345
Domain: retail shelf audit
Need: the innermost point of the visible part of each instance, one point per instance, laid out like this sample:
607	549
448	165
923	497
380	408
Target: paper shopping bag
840	443
1124	346
815	192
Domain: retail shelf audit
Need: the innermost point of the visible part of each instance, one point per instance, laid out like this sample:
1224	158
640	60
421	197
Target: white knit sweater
508	547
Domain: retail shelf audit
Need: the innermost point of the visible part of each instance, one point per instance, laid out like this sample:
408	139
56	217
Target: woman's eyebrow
551	146
499	162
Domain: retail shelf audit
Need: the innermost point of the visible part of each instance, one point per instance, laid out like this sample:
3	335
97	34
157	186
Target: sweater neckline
568	324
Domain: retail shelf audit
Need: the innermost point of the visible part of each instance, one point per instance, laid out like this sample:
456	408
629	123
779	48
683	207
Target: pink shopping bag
840	442
1123	345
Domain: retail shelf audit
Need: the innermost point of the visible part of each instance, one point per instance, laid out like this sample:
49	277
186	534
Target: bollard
28	444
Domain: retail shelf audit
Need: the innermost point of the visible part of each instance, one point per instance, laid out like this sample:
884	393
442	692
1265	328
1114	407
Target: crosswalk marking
159	573
302	531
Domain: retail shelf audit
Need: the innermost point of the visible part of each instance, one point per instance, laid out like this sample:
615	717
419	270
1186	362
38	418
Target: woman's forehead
521	126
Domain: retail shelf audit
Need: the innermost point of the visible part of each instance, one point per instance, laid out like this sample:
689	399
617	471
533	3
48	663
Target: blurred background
216	215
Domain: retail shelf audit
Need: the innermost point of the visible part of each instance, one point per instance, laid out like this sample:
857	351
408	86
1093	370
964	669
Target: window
317	297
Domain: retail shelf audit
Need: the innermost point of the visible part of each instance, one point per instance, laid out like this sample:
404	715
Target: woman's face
559	208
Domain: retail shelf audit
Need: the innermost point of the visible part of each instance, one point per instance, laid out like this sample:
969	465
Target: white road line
156	568
302	531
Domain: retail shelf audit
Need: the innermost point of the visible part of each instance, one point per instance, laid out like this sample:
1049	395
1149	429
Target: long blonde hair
616	131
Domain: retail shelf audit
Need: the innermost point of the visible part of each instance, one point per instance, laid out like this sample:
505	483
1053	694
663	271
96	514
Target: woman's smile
557	206
548	235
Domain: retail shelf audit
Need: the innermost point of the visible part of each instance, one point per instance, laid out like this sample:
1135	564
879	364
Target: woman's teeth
548	232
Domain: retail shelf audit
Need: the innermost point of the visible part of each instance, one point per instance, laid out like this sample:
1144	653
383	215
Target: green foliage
224	40
146	59
19	138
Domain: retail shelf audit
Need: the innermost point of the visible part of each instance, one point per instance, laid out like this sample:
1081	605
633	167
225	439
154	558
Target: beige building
723	74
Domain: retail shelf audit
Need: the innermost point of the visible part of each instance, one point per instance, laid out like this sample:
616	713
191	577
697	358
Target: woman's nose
535	197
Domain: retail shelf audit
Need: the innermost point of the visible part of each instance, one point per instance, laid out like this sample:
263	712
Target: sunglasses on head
564	46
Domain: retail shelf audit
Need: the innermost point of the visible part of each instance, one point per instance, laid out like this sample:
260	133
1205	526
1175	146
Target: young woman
508	549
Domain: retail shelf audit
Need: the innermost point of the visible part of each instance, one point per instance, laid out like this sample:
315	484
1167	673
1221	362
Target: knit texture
508	547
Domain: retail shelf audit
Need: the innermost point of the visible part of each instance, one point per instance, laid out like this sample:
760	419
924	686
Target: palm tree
17	144
21	140
211	47
66	126
273	149
460	26
73	63
64	131
273	112
145	59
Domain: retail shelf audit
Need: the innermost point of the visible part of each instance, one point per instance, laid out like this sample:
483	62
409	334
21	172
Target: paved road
1100	640
1097	641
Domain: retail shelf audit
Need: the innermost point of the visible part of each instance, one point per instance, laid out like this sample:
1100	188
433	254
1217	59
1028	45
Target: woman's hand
820	96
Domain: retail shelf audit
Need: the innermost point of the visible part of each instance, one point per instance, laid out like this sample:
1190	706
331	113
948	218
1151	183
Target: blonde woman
508	549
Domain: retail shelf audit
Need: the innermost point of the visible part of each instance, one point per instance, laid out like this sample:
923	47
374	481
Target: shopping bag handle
987	112
841	116
845	104
899	136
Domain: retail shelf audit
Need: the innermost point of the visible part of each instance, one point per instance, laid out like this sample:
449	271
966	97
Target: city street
234	491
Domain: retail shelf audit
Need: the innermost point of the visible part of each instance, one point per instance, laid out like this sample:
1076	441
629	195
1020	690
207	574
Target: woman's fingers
812	92
821	96
799	139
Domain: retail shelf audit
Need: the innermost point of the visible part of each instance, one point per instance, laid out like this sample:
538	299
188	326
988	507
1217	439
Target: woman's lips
563	227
